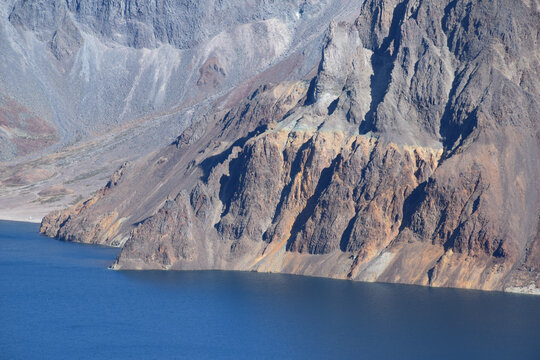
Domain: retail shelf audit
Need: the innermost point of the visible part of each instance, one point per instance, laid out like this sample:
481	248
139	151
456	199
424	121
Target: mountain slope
84	85
412	156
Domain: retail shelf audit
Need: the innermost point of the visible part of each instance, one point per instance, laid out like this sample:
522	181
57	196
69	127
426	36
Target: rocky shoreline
401	160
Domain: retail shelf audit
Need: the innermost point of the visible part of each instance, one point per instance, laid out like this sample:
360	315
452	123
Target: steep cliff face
85	84
85	66
412	157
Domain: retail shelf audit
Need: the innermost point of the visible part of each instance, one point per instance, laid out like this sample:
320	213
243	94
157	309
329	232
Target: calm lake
59	301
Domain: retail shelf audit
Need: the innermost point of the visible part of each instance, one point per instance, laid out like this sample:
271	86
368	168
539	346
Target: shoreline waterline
60	301
530	290
19	218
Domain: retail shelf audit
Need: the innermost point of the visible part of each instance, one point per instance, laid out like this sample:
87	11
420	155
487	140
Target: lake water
59	301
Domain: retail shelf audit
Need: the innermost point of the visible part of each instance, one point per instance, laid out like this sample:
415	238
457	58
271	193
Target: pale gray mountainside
411	156
87	85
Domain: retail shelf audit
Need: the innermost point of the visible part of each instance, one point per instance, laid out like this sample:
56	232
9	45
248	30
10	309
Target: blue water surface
59	301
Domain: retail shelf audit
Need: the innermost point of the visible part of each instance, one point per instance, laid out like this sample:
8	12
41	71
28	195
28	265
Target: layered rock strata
411	157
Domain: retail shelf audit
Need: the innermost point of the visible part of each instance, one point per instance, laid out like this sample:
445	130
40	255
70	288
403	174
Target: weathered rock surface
97	79
411	157
89	66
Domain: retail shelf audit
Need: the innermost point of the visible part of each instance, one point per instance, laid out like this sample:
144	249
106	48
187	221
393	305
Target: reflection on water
59	301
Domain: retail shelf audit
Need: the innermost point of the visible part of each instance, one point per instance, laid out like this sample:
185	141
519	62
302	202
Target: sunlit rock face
410	156
88	85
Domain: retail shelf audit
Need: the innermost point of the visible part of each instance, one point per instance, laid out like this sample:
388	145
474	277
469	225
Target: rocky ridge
411	157
86	66
84	85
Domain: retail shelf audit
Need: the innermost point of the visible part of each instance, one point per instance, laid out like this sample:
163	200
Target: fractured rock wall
411	157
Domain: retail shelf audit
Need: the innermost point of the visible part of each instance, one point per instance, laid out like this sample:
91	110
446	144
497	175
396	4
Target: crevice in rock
414	11
296	168
302	218
57	235
229	184
208	164
500	252
382	62
346	236
450	131
444	22
430	275
411	204
310	97
332	107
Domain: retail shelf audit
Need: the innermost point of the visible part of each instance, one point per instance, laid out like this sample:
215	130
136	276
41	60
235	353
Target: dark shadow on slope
332	107
229	185
211	162
412	203
305	214
430	275
346	236
452	128
295	169
311	97
444	21
382	62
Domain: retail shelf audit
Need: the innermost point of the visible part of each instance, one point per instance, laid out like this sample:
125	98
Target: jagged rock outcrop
102	77
411	157
91	230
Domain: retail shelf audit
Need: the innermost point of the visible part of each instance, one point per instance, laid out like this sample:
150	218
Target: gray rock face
145	24
88	66
411	156
104	77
